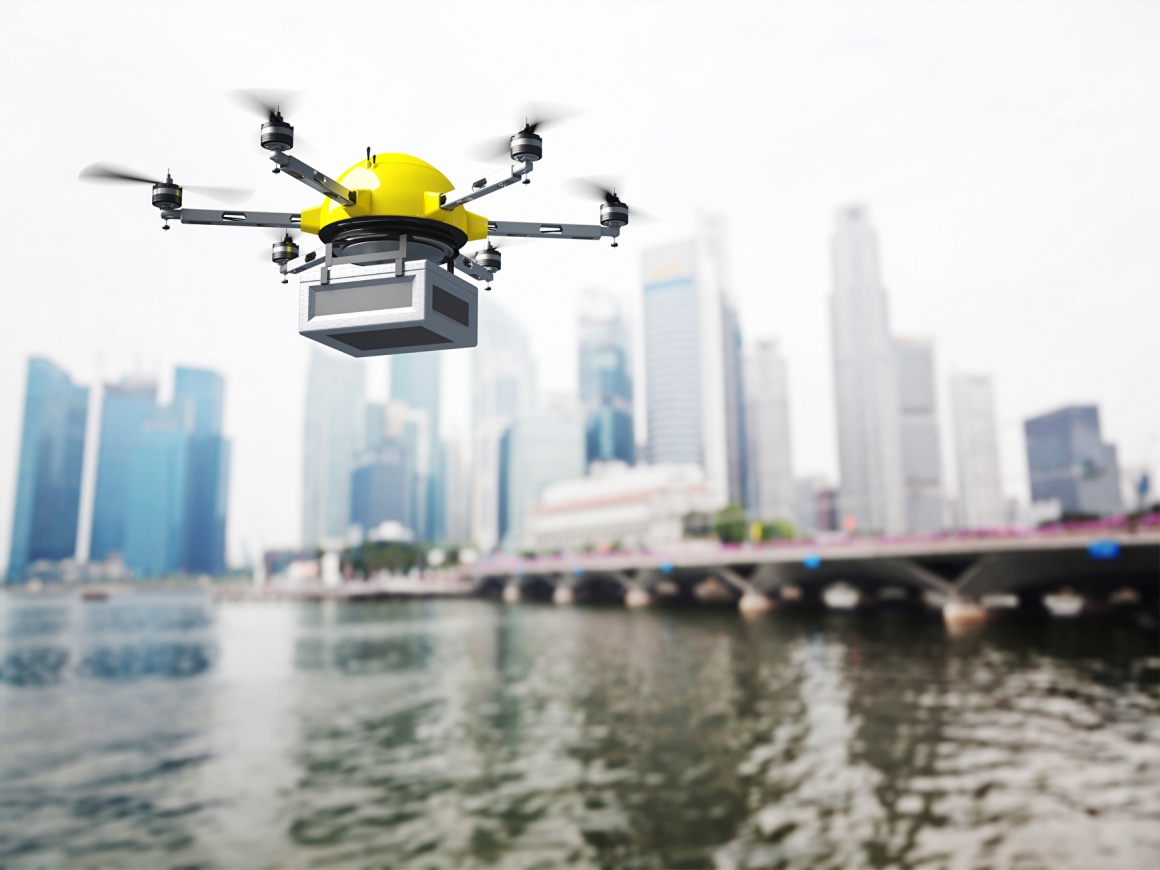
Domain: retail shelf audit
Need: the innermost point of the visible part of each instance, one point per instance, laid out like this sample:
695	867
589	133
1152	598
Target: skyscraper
771	492
865	381
457	491
199	396
692	393
48	480
382	487
415	380
918	418
733	382
976	436
1070	463
334	421
125	408
158	495
605	382
540	448
504	387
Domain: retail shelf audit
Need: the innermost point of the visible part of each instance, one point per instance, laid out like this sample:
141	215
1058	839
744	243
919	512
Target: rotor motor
167	194
490	259
614	214
277	134
527	147
284	251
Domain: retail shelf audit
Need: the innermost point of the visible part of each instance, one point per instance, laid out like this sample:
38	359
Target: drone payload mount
394	228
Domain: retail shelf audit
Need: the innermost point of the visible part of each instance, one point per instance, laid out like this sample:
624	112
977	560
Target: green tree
777	530
731	524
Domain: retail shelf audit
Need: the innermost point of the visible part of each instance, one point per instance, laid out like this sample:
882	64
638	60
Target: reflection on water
159	730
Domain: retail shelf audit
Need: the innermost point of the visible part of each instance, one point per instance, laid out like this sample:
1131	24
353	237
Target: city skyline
1000	210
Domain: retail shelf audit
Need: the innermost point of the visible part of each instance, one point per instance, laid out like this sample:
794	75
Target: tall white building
504	387
334	435
771	490
540	448
688	384
976	435
865	382
921	451
457	490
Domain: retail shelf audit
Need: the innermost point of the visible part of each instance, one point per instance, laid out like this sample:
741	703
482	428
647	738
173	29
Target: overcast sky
1007	152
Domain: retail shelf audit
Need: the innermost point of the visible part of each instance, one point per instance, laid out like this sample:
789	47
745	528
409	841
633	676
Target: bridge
964	577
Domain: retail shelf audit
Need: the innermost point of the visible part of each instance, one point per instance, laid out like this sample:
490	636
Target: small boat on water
94	595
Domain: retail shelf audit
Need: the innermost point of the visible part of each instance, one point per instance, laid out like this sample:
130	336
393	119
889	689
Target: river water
162	730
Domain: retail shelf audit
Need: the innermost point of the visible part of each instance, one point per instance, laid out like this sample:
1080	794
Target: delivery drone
394	228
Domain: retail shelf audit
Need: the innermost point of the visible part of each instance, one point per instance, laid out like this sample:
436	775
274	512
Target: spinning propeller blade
266	102
605	190
111	172
534	117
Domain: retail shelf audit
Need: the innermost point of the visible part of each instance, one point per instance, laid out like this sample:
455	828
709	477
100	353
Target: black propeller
534	117
113	173
269	104
605	190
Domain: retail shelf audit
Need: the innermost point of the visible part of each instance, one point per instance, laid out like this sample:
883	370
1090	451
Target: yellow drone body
394	185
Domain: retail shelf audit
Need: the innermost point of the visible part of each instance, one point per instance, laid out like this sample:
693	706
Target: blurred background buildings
561	472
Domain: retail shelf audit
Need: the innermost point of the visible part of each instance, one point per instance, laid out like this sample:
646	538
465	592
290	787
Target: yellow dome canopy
394	185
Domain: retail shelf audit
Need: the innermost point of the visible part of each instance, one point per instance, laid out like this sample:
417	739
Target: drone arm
205	216
312	260
525	230
312	178
468	266
483	187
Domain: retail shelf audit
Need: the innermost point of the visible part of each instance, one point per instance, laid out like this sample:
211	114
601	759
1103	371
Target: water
160	730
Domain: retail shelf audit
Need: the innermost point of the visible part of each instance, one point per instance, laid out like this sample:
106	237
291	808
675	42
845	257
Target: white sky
1007	151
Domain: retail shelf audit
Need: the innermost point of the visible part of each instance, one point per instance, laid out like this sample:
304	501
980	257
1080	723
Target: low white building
642	507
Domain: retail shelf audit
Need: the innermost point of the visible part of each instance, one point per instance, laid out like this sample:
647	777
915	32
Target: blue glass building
48	486
124	410
606	388
1069	462
381	487
198	395
415	380
155	510
162	477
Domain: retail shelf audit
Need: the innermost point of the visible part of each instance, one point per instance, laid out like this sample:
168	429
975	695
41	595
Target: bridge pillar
512	593
637	597
754	602
960	614
563	594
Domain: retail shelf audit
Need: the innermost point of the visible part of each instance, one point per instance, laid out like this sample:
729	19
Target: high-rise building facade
872	496
199	396
1070	463
733	382
335	416
921	451
124	409
976	435
415	380
48	479
692	379
606	382
539	449
382	487
158	495
457	491
771	492
672	351
504	387
162	480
